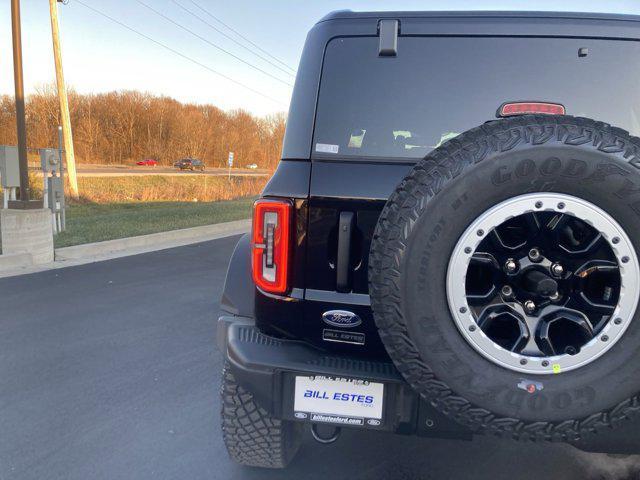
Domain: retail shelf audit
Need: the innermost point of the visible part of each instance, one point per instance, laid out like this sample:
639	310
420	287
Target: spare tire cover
557	395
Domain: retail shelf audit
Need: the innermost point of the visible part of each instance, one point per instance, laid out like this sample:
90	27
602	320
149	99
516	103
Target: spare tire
504	277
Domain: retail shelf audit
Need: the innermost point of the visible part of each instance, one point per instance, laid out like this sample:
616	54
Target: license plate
338	400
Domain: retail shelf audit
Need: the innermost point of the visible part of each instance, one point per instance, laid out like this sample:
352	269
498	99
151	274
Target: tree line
125	126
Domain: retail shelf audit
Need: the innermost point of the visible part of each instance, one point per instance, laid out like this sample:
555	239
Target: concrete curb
123	247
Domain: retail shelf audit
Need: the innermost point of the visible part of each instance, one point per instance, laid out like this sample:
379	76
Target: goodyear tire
413	253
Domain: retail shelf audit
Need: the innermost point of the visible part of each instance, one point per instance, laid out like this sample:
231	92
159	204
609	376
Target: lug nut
534	255
507	291
557	269
529	306
510	265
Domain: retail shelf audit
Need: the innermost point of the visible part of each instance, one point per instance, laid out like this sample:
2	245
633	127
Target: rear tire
252	436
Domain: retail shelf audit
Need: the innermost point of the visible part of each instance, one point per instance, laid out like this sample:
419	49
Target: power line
176	52
207	41
241	36
226	35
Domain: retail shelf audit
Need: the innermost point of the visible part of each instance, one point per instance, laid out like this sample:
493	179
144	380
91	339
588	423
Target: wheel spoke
582	249
593	266
515	233
482	299
557	222
563	331
506	326
481	279
531	348
596	287
602	308
533	223
500	243
485	259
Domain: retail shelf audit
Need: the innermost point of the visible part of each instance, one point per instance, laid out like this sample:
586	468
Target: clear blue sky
102	56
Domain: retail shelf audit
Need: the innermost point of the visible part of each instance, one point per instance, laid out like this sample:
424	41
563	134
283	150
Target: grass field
118	207
158	188
90	222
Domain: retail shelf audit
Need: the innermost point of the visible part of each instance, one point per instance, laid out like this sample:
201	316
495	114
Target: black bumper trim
249	348
267	366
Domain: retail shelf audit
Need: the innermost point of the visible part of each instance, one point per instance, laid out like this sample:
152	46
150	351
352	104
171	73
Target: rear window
436	88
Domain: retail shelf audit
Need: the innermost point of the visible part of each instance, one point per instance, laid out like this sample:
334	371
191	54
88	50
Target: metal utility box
9	167
56	194
50	160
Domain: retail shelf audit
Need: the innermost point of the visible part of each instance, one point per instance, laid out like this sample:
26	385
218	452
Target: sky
100	55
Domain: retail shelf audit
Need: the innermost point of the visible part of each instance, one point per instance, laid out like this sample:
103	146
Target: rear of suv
448	246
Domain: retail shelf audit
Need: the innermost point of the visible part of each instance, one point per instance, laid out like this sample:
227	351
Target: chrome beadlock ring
545	203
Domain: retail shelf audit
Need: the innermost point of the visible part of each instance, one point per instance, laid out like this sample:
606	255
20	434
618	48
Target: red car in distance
147	162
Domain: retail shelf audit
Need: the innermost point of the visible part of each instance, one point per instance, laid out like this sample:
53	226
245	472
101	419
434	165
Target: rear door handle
343	262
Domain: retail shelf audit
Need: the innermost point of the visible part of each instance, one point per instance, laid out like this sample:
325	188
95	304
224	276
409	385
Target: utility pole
20	109
24	203
64	103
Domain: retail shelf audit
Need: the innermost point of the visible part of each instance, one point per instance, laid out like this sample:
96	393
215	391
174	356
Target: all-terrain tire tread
252	436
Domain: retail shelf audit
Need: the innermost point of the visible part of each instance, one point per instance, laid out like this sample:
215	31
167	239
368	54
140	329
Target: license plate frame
338	400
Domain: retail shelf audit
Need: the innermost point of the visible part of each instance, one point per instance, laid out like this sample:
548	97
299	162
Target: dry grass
167	188
158	188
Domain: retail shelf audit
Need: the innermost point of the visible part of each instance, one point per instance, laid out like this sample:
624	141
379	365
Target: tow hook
325	439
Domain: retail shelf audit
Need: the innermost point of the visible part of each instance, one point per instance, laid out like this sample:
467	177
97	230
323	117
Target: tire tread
252	436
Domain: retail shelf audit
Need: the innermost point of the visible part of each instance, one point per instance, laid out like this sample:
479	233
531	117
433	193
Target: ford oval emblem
341	318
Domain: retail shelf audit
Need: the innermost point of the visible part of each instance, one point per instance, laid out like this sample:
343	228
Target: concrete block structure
27	232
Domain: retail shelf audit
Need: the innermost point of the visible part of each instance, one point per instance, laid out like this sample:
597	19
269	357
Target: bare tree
125	126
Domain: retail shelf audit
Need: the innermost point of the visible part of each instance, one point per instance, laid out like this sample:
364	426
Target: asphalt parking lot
110	371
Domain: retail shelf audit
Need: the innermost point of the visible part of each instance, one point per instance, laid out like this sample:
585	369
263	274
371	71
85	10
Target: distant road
125	171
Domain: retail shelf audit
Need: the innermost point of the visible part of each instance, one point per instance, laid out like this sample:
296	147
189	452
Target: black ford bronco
449	245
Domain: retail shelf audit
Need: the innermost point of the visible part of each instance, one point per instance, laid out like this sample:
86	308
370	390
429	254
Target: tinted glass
436	88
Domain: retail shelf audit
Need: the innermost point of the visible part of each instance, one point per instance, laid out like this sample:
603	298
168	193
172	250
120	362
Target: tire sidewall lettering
551	166
540	401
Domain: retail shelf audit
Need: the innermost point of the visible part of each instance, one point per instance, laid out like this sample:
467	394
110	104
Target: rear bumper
267	367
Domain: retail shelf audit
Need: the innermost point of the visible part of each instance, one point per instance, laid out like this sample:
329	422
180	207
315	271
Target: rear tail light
522	108
270	244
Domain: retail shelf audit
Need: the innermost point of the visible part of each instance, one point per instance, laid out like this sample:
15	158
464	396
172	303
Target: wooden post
20	108
65	119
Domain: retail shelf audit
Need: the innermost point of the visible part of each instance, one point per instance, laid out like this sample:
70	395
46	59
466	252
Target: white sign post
230	163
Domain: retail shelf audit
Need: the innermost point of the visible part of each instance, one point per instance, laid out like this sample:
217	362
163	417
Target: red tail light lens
270	244
522	108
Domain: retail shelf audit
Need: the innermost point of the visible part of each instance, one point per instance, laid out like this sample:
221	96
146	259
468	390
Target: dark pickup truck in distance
448	247
189	164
